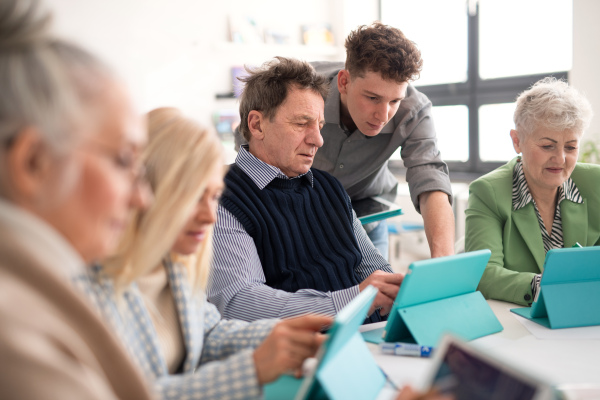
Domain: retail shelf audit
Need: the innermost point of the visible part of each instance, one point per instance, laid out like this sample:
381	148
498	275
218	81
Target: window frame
474	93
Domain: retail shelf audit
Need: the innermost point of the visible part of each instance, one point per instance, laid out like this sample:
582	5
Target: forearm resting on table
438	220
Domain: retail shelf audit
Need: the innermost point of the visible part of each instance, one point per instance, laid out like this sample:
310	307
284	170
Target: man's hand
388	285
438	220
290	342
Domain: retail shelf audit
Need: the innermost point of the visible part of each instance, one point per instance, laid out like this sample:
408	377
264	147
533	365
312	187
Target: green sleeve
484	230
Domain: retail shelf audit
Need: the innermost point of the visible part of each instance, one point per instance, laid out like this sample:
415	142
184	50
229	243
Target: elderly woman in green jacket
540	200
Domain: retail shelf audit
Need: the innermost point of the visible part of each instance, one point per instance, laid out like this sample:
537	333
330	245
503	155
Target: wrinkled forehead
543	132
302	102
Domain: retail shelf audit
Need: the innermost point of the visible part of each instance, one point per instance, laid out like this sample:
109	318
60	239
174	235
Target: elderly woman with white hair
69	145
540	200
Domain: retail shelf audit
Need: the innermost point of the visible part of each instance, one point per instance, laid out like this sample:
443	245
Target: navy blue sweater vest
303	234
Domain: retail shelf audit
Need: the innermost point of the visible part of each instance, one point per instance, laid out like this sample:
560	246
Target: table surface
557	361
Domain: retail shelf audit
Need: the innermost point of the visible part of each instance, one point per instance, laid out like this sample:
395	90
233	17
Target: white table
559	362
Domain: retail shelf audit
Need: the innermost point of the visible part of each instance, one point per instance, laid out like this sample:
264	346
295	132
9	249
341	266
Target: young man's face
370	101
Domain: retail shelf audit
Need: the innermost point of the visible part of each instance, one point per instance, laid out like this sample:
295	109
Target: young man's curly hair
383	49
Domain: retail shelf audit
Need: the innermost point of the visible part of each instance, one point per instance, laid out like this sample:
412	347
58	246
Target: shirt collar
41	238
260	172
521	196
333	104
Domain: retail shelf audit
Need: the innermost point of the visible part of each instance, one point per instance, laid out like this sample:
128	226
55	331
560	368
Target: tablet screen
466	375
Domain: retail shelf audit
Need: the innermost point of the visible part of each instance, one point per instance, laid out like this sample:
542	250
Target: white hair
553	104
47	83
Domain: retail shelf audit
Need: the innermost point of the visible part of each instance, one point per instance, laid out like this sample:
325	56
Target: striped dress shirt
237	284
521	196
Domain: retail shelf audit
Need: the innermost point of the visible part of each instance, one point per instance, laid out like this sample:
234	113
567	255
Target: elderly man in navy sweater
287	241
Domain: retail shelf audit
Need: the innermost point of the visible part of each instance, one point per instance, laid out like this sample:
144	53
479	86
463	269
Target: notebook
440	295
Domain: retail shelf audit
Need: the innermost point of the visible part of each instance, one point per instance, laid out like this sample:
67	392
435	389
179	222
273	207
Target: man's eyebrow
306	118
373	94
302	117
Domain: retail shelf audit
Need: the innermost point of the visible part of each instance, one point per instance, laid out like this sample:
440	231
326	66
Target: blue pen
405	349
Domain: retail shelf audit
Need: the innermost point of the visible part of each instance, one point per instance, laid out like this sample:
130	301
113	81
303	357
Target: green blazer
515	238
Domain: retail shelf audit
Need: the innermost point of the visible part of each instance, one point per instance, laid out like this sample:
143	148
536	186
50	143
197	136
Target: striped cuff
342	297
535	286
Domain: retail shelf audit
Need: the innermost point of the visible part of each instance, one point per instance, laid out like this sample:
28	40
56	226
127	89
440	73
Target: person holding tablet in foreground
540	200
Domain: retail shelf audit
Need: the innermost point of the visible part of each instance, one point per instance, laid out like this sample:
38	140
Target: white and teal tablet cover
439	296
346	368
569	293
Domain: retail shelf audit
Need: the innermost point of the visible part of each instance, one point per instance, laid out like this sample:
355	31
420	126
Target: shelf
286	50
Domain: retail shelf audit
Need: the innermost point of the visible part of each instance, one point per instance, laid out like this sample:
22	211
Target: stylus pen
405	349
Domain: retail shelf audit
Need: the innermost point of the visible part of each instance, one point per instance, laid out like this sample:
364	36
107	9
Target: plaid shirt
218	362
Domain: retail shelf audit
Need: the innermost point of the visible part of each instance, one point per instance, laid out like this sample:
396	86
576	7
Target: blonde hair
180	159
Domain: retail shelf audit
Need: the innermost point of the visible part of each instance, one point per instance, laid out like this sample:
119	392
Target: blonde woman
173	332
69	144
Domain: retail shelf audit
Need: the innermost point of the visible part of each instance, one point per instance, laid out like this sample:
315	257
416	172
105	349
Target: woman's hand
408	393
290	342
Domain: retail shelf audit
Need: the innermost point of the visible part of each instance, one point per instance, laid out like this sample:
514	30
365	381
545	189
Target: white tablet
468	373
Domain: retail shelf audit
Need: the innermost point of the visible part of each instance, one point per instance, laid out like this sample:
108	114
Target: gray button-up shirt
361	162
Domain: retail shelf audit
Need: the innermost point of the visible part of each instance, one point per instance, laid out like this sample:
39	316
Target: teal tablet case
393	210
569	290
346	368
440	296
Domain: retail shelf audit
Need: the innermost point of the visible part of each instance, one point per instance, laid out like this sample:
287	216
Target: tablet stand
467	316
569	290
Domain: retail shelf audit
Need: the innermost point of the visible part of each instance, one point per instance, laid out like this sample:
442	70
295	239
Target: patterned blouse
521	196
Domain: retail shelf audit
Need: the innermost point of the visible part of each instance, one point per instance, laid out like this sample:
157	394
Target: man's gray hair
47	83
267	87
553	104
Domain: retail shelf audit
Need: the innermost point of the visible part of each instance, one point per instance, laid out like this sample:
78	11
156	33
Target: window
478	56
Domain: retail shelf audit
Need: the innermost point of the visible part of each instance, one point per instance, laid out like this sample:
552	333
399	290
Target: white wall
176	52
585	74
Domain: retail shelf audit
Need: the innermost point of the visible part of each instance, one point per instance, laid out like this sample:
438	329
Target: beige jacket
52	344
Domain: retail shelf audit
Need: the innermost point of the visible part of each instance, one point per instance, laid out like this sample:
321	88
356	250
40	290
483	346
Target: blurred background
478	55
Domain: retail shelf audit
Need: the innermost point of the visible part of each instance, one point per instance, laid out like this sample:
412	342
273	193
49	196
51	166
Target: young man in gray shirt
371	111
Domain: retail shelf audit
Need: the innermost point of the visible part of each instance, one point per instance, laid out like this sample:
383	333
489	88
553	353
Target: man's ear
28	163
255	124
514	135
343	79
